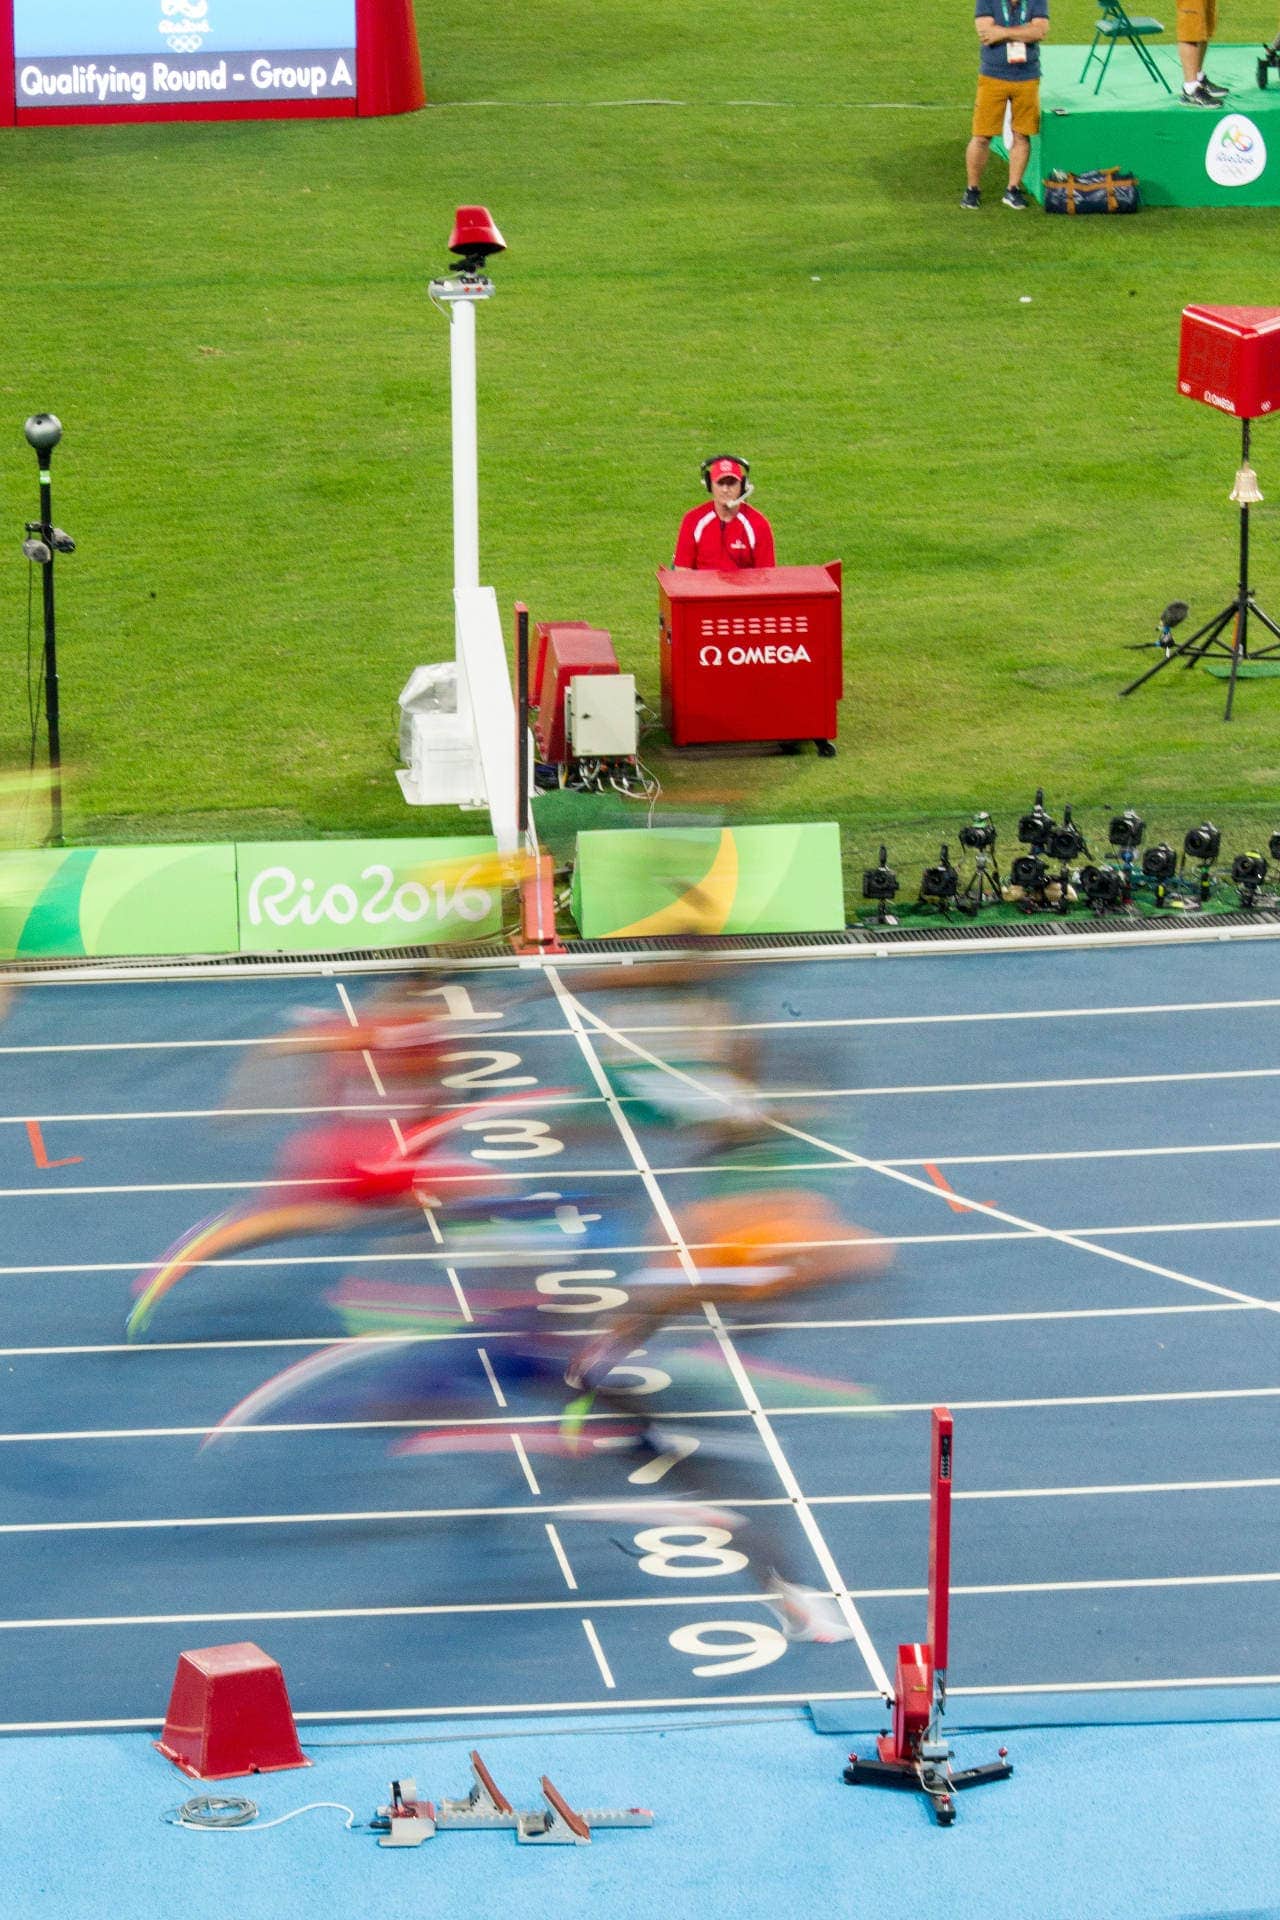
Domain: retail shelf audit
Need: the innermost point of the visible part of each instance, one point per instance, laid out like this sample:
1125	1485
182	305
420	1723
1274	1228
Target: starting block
409	1821
559	1825
915	1753
484	1808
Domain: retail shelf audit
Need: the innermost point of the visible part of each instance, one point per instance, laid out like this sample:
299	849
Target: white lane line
452	1609
522	1456
524	1709
665	1173
491	1376
397	1134
496	1255
912	1090
158	1186
517	1254
760	1420
562	1100
1177	1396
742	1026
269	1113
455	1283
353	1020
1082	1153
562	1558
593	1641
236	1185
1122	1686
515	1510
899	1175
1178	1580
445	1609
969	1019
137	1046
1122	1487
588	1510
857	1324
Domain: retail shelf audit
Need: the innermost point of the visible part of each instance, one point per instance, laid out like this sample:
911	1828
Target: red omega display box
1229	358
750	655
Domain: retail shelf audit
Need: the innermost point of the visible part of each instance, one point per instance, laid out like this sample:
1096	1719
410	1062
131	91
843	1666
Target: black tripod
1209	638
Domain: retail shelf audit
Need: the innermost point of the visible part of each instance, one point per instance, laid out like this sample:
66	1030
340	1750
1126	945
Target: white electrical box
600	716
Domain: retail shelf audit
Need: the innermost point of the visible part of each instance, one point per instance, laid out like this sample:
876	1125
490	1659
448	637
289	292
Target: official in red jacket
728	533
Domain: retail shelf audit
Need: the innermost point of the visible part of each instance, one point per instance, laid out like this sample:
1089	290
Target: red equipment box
566	648
1229	358
750	655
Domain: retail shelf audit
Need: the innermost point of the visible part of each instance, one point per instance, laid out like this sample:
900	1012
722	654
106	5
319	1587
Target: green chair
1115	24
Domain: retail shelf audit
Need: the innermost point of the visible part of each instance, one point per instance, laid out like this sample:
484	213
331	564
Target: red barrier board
1229	358
750	655
178	68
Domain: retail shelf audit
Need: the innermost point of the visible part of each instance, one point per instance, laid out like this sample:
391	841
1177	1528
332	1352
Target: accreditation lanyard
1005	19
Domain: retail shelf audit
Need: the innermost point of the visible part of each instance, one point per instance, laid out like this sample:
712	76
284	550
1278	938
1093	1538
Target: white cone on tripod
1246	491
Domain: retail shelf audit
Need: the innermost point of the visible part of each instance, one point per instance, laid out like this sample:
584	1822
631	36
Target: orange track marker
940	1180
39	1155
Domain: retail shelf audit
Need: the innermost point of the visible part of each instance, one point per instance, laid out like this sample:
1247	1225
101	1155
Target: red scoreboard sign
81	61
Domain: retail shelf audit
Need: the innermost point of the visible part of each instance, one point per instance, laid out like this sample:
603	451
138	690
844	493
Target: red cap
726	470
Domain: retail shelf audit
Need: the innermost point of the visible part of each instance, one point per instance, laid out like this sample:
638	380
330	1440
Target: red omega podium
750	655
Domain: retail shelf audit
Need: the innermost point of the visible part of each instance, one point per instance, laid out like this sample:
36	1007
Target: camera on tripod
1126	829
1105	887
1035	827
1248	871
940	884
1203	843
1030	871
880	883
979	836
1066	842
1269	62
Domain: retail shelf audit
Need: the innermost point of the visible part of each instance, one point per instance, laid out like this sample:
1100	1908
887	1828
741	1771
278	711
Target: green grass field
727	227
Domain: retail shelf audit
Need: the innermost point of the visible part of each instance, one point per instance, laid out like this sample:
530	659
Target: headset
710	461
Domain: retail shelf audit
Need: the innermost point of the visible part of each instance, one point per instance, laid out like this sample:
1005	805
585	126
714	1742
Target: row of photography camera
1057	871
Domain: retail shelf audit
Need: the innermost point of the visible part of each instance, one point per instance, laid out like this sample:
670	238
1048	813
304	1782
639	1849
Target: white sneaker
805	1615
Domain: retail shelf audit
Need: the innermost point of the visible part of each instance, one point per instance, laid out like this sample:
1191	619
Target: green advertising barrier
315	896
633	883
288	897
62	903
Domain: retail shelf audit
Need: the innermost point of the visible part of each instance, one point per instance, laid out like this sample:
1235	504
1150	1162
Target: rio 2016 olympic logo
280	896
185	24
1237	152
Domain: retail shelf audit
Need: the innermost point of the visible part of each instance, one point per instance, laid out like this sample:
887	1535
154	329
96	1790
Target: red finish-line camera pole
915	1752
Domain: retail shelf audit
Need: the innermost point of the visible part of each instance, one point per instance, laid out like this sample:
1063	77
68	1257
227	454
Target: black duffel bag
1106	190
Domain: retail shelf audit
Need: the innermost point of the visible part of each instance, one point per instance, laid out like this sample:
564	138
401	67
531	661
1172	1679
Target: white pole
466	488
